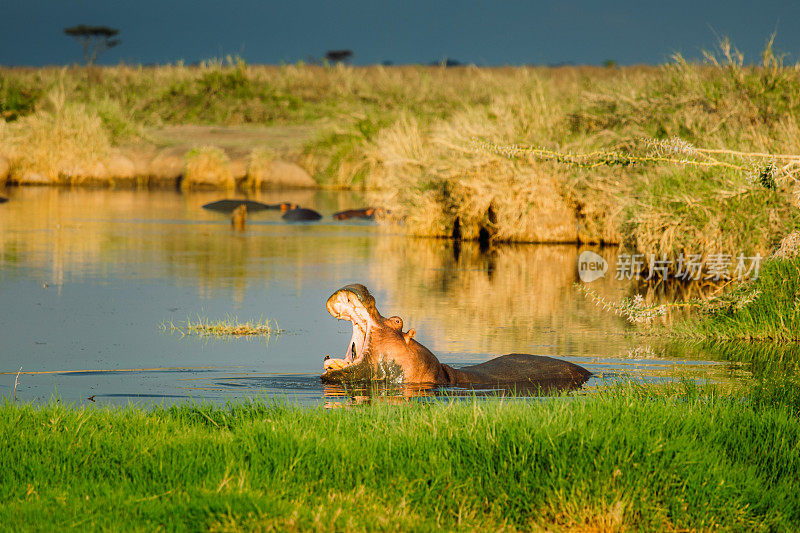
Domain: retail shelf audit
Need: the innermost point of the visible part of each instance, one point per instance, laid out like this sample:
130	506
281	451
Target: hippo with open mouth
380	350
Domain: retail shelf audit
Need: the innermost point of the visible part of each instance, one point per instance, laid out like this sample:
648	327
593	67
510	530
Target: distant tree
339	56
446	62
609	63
94	39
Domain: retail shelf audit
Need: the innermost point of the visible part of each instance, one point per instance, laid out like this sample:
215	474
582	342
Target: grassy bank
678	458
407	134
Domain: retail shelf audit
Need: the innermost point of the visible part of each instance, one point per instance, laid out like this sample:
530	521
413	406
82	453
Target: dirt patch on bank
285	140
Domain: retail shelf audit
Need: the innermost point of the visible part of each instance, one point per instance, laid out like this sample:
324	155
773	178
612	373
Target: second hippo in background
301	214
368	213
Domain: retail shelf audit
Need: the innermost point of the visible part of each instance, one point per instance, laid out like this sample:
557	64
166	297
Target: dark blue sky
410	31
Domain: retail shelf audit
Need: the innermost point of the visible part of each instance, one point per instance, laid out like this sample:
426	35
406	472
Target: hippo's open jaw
345	304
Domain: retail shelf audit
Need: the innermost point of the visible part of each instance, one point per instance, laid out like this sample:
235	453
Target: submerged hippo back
523	369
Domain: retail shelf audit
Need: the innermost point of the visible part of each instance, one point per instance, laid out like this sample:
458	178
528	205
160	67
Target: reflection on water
87	276
494	301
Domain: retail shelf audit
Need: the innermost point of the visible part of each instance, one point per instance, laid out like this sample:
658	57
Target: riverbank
679	457
682	158
58	150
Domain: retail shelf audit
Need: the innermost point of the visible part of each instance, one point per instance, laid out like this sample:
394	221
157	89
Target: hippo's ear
395	322
408	335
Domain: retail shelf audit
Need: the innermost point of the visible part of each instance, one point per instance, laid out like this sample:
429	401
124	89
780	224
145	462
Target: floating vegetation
227	327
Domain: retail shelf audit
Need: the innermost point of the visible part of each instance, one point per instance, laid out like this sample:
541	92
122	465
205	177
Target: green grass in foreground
682	457
227	327
767	308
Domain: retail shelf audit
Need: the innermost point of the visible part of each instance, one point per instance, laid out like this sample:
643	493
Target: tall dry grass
231	92
259	166
62	141
435	184
207	167
435	178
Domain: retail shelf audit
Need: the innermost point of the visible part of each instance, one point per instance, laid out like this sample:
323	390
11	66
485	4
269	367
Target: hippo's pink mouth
344	305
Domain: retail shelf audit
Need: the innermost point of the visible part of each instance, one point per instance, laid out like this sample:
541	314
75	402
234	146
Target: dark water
88	276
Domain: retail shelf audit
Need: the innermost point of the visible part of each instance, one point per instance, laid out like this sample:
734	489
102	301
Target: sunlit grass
767	308
62	141
230	326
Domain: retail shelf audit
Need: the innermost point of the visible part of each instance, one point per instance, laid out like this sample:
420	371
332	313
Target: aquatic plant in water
227	327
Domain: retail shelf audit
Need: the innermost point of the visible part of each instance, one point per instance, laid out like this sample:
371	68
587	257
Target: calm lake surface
88	277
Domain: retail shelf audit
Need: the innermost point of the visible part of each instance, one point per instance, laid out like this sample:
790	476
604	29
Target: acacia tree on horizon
94	39
339	56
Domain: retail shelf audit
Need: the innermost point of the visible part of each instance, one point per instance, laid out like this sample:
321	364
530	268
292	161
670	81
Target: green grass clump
337	158
222	94
767	308
227	327
686	457
763	309
17	99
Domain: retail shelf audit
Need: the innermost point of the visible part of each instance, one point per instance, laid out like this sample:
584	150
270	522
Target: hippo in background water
365	212
301	214
380	350
291	212
228	206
